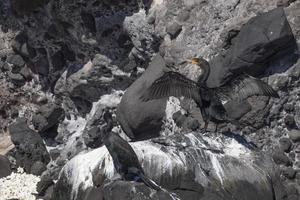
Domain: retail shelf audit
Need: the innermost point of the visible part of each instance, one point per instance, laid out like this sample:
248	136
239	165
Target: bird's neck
204	76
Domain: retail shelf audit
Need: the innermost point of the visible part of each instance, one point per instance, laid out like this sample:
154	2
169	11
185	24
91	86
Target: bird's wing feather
245	86
172	84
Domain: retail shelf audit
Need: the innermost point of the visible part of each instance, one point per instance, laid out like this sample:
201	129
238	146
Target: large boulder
261	40
29	146
192	165
47	116
139	119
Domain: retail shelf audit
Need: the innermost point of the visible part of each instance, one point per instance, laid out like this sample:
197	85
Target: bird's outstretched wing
172	84
245	86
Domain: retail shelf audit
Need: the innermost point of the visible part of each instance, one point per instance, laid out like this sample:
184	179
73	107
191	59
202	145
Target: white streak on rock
79	169
216	166
235	149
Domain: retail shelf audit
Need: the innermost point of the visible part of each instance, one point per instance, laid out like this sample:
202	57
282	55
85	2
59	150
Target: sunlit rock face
192	165
146	124
82	56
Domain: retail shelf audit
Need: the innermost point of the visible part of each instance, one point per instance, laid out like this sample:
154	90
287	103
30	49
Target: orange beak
194	61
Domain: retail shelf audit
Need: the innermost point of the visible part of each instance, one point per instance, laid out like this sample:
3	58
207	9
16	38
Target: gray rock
288	107
259	112
92	132
38	168
17	79
141	32
20	7
30	147
289	121
289	172
139	119
92	81
258	42
294	135
26	73
285	144
284	3
5	169
279	82
179	119
173	163
291	189
280	158
293	197
45	182
17	62
295	72
183	15
115	191
47	117
5	66
174	29
192	124
41	65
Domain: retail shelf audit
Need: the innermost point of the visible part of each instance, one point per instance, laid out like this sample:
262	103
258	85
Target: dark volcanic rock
174	29
44	184
29	145
289	172
280	158
261	40
121	190
92	132
256	117
26	73
5	169
48	116
25	7
289	121
136	124
17	62
285	144
93	80
16	79
38	168
41	65
294	135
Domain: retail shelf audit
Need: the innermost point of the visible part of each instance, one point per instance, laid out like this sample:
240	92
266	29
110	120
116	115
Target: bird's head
201	62
203	65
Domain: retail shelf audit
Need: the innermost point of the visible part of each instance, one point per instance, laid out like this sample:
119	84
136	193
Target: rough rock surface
199	169
82	56
142	125
260	41
5	169
30	147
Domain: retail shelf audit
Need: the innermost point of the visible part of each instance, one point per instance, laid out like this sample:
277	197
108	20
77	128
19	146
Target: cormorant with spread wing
209	100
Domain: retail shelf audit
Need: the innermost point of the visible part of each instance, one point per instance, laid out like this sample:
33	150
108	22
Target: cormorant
209	100
124	158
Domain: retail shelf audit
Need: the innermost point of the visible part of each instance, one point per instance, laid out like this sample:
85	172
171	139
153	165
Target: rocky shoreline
63	62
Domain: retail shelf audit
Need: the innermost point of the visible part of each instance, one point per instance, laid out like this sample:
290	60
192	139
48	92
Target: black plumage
124	158
209	100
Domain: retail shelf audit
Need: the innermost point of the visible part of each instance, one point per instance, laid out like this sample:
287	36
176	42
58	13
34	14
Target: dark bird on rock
209	100
124	158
